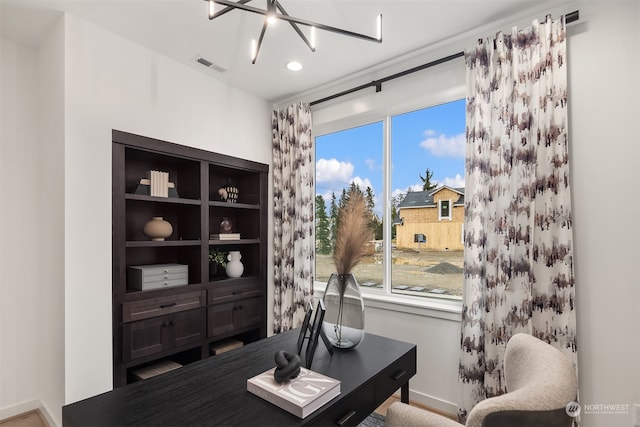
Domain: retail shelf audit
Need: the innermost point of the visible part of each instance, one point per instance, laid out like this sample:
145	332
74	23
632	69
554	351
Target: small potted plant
217	262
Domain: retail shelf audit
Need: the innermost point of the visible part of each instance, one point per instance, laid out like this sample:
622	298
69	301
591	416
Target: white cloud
362	183
443	145
371	164
333	171
455	182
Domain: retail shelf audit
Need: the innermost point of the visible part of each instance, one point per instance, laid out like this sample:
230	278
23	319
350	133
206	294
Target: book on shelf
159	183
300	396
144	188
225	236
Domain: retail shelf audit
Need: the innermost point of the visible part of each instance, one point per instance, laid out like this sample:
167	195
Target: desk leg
404	393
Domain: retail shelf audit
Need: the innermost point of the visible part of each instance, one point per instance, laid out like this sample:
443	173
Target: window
445	212
415	194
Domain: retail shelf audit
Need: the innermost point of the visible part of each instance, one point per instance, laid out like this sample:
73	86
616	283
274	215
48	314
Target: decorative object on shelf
344	317
225	236
217	262
157	229
226	226
159	183
271	15
144	188
157	276
287	366
234	266
228	193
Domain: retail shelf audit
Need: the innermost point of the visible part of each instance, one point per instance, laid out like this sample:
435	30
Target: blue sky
429	138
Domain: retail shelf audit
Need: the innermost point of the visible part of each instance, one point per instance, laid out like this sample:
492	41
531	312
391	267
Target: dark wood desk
213	392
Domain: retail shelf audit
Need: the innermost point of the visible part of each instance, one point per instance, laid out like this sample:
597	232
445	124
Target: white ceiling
180	29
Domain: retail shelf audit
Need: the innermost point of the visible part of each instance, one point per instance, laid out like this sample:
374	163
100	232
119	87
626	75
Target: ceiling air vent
209	64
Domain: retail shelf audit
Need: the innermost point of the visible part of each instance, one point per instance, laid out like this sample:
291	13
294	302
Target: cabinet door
248	312
143	338
158	334
220	319
232	316
188	328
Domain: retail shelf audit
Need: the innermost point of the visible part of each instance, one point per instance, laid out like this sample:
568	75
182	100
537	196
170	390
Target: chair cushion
538	378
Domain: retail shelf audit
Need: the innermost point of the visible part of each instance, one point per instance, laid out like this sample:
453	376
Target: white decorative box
157	276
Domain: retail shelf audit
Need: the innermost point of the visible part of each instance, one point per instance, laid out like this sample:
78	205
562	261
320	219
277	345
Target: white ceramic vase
234	266
157	229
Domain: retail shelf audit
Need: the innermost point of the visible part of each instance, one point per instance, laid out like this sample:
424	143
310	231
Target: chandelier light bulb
254	50
313	37
212	8
379	27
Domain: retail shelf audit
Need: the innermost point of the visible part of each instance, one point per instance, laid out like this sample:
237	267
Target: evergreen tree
376	222
333	220
323	232
427	185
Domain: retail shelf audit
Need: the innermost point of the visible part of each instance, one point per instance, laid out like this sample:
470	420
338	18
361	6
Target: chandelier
275	11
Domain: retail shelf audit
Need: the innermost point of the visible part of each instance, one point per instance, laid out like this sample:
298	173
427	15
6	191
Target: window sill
422	306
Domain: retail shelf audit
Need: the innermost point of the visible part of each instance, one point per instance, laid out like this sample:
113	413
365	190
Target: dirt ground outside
424	271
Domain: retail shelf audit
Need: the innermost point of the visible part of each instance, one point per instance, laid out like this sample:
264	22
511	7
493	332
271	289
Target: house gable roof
423	199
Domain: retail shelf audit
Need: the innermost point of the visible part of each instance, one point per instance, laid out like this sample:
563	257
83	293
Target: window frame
431	305
440	205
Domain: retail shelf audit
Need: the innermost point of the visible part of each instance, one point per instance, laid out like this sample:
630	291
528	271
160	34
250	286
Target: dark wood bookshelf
181	322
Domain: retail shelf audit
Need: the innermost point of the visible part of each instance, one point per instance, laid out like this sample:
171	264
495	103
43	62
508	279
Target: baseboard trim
439	406
448	408
24	408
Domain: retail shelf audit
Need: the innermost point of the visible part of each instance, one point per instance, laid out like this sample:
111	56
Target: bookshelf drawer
160	306
233	290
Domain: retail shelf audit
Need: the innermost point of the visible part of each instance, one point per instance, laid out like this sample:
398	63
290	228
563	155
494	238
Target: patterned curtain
518	229
293	222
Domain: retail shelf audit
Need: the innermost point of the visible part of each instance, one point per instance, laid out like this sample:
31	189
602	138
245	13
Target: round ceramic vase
157	229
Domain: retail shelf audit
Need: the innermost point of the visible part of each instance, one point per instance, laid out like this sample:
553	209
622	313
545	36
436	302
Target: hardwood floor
382	409
28	419
35	419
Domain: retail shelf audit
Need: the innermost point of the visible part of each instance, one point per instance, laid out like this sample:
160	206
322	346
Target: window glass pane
427	182
352	157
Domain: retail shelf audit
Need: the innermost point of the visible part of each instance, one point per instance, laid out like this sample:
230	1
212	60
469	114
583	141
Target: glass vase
344	317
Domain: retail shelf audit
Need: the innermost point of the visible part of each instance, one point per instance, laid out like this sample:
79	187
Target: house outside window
445	212
386	160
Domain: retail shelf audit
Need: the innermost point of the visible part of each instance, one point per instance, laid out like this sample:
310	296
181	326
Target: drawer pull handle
342	421
171	304
168	323
399	375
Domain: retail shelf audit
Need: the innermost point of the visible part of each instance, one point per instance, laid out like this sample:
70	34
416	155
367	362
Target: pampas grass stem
353	233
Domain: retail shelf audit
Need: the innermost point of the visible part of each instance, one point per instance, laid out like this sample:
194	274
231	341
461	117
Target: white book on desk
300	396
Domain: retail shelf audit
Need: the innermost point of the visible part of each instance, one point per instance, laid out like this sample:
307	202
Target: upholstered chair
540	381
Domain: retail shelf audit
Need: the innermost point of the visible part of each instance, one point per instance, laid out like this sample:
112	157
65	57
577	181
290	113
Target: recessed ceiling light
294	66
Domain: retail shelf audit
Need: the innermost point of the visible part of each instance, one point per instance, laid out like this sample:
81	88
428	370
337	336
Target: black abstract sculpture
287	366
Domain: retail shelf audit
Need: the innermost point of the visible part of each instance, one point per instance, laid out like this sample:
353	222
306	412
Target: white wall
55	341
19	226
604	84
112	83
50	303
604	118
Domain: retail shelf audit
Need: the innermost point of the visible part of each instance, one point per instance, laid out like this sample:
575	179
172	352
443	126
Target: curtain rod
568	18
